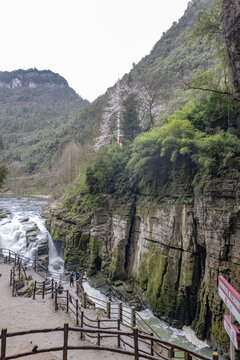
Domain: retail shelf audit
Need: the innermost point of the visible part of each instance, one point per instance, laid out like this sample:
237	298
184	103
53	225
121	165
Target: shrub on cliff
108	173
205	155
217	156
155	153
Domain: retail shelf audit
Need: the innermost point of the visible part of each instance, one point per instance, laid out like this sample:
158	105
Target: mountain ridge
31	78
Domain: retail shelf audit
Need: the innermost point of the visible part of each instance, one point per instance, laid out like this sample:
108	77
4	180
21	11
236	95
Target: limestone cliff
231	31
31	78
174	248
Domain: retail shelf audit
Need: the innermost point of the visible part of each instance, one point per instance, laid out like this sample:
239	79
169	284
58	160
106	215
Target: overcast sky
89	42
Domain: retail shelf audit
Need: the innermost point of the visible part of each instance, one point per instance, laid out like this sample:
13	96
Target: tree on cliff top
130	124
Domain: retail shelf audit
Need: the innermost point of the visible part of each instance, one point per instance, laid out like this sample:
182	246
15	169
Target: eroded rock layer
174	249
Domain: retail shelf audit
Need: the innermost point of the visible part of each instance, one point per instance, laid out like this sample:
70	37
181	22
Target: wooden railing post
43	289
84	300
215	355
99	325
187	356
109	310
77	321
171	353
13	288
15	259
152	346
65	341
19	271
9	256
3	343
77	287
56	299
52	289
119	336
34	290
133	316
135	339
120	311
11	277
67	294
82	316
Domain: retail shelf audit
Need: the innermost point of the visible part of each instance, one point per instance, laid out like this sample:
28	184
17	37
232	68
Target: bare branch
190	87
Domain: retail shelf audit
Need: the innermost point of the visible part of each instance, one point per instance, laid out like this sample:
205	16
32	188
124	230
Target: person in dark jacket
72	279
60	289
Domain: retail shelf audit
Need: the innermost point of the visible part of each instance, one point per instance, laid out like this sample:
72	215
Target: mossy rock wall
171	279
174	248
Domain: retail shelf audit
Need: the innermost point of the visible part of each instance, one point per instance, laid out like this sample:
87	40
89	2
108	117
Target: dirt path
18	313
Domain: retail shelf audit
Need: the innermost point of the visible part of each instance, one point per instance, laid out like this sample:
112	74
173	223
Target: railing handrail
133	335
126	307
69	297
32	263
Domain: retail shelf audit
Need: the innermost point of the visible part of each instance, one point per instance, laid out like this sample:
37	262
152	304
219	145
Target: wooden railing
141	340
16	273
114	310
133	336
10	257
124	317
44	288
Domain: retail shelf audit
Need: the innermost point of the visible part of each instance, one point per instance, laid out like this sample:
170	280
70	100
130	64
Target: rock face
231	31
174	249
31	78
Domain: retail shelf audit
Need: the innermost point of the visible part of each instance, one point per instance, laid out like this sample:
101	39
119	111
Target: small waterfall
56	263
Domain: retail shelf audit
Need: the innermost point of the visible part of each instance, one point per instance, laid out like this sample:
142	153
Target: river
21	214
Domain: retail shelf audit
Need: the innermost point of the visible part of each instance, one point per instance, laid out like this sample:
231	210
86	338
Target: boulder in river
4	214
31	234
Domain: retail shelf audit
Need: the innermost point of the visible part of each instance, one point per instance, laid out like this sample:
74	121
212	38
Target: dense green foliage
193	147
108	173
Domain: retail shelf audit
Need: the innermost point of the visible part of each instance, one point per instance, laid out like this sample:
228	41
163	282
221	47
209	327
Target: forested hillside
35	108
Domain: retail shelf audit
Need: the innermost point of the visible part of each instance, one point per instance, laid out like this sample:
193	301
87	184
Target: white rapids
22	215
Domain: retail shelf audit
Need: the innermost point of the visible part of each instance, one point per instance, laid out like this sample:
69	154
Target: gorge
155	211
170	243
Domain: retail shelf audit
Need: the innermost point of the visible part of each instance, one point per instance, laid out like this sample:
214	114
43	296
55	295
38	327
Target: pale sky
90	43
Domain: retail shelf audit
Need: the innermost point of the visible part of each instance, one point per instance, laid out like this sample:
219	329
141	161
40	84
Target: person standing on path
71	279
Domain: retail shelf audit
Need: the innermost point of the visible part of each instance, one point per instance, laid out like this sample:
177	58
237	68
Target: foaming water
94	292
24	214
184	337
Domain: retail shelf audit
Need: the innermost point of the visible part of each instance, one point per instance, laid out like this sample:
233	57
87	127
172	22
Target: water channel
21	214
